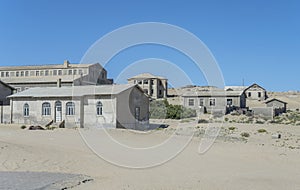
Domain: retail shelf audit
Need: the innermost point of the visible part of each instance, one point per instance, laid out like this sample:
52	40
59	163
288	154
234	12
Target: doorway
58	111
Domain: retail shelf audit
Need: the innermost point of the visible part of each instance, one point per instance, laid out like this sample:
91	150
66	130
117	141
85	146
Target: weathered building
5	90
278	106
121	106
256	92
155	86
214	100
24	77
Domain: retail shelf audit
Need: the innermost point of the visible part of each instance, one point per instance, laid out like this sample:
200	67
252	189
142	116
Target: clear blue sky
257	40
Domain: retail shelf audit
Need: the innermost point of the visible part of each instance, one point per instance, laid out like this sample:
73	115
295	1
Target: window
70	72
54	72
70	108
191	102
139	82
46	73
151	91
42	73
145	81
160	83
80	71
201	102
160	92
74	72
2	74
229	102
46	108
259	94
7	74
17	73
212	102
26	73
99	108
249	94
37	73
59	72
26	110
22	73
146	91
137	113
152	82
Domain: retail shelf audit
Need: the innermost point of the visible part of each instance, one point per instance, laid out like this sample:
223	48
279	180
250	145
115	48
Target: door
58	111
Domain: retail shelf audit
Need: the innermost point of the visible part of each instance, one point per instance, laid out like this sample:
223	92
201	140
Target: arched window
26	110
70	108
46	108
99	108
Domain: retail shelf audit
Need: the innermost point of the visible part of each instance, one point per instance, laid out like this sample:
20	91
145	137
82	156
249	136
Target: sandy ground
257	162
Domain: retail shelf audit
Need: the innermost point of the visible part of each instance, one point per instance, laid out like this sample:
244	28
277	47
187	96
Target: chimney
58	83
66	63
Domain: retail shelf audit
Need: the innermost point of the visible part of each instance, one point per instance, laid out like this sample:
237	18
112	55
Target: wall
5	116
127	102
4	92
107	119
267	112
35	111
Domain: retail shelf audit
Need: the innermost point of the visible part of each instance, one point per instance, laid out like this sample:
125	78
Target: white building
120	106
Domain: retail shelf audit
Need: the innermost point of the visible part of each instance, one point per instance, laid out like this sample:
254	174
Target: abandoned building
212	99
24	77
155	86
118	106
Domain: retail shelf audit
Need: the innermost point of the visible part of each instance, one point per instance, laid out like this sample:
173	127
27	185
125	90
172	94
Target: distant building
155	86
213	99
256	92
120	106
24	77
278	106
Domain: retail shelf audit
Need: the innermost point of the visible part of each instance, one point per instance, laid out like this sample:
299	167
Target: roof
235	88
213	93
275	99
8	86
40	79
74	91
254	85
146	76
50	66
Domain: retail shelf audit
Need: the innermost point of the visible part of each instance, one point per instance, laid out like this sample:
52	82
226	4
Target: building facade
119	106
155	86
214	100
256	92
24	77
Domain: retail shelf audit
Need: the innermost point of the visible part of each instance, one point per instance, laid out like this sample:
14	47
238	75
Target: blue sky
257	41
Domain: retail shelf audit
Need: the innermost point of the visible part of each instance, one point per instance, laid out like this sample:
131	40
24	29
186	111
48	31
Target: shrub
259	122
261	131
203	121
226	119
161	109
23	127
244	134
231	128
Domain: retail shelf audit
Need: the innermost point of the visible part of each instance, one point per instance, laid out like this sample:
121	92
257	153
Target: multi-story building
155	86
24	77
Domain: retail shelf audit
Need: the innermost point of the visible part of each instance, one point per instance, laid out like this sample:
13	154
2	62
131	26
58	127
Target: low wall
267	112
5	116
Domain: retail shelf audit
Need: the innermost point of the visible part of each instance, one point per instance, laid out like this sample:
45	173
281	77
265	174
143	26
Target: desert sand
233	162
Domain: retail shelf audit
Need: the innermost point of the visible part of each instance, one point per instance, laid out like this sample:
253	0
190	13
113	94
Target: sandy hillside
233	162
